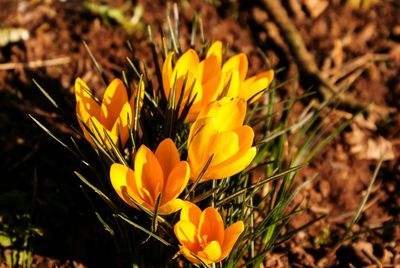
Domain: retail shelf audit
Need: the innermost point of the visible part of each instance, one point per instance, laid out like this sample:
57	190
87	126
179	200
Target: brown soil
335	36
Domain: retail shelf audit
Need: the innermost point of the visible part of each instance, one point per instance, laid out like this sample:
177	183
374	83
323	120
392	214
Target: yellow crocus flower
234	72
203	79
219	133
112	116
202	234
160	173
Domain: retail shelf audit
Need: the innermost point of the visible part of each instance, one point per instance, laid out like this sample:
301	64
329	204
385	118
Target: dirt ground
38	174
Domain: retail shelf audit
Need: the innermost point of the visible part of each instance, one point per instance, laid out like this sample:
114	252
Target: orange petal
114	99
167	74
148	175
185	232
238	62
232	233
211	226
190	212
167	155
123	178
176	182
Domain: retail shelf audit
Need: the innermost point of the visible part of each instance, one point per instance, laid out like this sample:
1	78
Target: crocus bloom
160	173
234	72
112	116
203	79
219	133
202	233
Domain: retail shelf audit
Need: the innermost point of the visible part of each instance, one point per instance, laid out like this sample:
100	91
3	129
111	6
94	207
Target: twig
35	63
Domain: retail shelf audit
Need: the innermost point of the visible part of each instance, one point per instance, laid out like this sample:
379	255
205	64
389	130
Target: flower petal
200	134
123	178
186	232
228	113
148	175
176	181
211	253
232	233
114	99
238	62
121	125
167	74
171	206
87	104
189	255
252	88
167	155
215	50
190	212
98	130
188	62
211	226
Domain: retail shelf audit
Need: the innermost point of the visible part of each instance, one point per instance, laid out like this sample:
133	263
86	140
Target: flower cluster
218	146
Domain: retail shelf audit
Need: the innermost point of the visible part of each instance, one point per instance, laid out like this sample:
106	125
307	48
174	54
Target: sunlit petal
186	233
149	175
190	212
211	253
176	181
211	226
168	156
238	62
114	99
232	233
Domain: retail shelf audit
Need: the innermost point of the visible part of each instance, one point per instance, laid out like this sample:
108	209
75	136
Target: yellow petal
231	80
234	166
87	103
121	125
123	178
167	73
211	226
148	175
171	206
114	99
168	156
176	181
189	255
215	50
98	130
200	134
228	114
186	232
188	62
190	212
238	62
232	233
238	161
224	146
211	253
253	87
